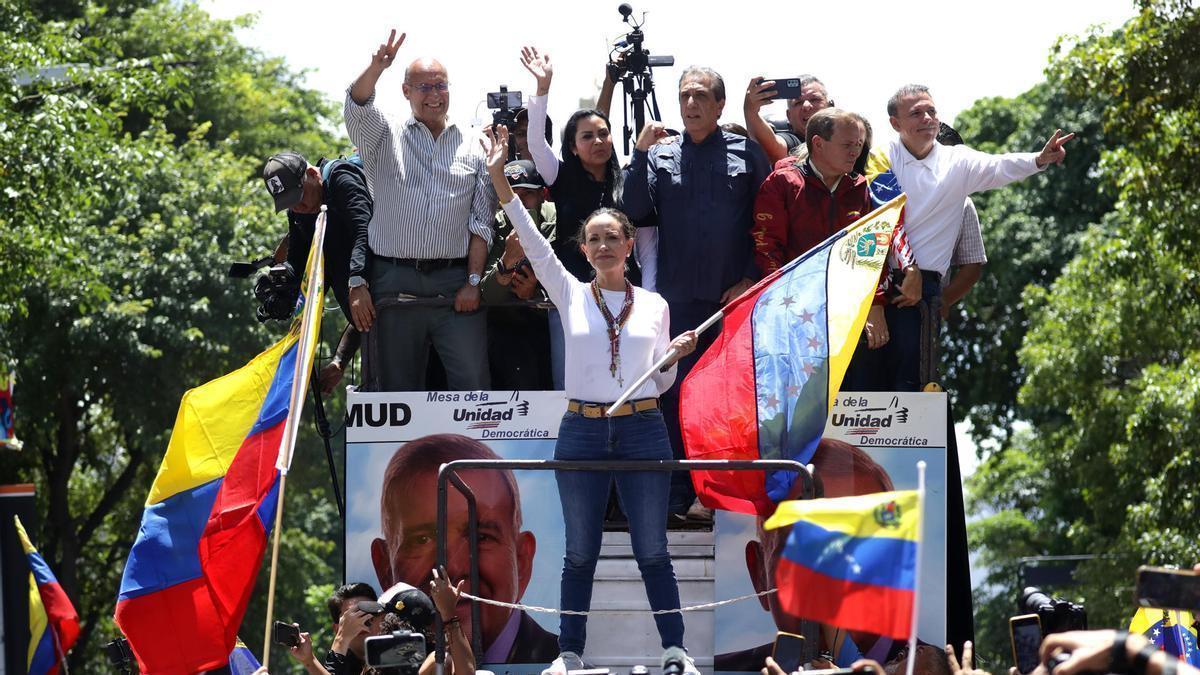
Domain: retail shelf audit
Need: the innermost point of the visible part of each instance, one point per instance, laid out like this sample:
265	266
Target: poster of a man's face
396	445
407	550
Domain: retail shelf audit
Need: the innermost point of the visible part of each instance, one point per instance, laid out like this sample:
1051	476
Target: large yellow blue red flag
764	389
192	568
851	562
1171	629
53	622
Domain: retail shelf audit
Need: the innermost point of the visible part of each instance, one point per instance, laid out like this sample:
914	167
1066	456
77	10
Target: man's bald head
424	64
427	88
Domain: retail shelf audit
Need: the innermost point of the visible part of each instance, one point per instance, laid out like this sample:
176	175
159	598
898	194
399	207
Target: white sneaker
565	663
689	666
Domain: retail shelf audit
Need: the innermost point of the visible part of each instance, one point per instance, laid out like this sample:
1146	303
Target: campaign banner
395	442
872	443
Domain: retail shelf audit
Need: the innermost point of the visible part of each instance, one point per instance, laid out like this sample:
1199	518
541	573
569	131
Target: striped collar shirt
430	194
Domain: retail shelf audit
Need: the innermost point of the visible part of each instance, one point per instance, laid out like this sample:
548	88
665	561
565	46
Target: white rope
575	612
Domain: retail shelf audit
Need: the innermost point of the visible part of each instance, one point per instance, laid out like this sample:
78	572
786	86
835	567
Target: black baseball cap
523	174
284	176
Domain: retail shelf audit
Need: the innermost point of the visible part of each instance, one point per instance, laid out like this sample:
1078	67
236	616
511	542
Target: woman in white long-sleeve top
586	178
614	332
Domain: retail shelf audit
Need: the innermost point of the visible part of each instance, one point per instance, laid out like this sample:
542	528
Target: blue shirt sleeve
637	199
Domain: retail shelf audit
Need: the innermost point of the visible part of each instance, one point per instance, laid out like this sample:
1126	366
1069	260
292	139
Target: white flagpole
306	345
916	607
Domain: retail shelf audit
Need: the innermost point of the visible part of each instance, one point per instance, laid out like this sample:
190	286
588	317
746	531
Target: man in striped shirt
430	230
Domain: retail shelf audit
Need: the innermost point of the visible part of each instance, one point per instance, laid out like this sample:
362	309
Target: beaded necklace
614	327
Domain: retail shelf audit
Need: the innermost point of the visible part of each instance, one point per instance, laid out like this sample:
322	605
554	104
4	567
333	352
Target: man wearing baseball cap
301	189
519	344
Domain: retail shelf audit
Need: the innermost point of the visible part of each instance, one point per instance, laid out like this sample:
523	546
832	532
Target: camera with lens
119	654
636	61
506	104
402	652
1056	615
277	290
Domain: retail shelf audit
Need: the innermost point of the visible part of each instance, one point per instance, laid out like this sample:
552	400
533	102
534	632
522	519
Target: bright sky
962	50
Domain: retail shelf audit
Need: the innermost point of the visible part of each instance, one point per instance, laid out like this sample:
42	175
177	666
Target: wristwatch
473	279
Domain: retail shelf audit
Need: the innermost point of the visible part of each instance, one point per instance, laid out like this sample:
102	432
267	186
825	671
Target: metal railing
448	475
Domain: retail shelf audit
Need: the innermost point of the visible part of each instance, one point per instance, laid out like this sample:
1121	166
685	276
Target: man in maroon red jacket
803	202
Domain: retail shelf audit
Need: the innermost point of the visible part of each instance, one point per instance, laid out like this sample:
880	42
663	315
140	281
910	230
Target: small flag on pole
851	562
53	622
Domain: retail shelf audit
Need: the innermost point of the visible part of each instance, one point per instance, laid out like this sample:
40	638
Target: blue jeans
643	496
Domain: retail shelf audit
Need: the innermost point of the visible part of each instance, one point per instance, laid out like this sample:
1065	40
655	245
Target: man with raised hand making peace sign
430	231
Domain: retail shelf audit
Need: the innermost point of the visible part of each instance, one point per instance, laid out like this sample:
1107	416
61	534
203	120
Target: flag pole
310	326
916	606
708	323
274	569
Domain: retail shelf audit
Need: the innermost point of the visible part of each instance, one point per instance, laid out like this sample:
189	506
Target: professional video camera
401	652
505	103
120	656
276	290
1056	615
631	64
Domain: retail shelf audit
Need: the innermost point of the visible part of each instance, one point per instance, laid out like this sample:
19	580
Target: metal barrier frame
448	474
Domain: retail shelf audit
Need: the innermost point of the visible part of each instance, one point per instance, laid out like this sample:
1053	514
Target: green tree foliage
1112	355
127	186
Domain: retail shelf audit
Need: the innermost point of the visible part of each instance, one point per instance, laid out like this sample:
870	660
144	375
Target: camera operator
341	186
778	145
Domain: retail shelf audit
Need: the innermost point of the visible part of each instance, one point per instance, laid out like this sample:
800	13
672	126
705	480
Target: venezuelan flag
764	389
191	570
53	622
851	562
1171	629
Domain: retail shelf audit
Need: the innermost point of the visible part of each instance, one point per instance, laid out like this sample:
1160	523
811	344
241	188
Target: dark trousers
909	359
685	316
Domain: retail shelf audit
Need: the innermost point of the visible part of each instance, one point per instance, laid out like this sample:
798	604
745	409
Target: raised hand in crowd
964	668
381	60
353	623
1054	153
759	93
539	66
445	597
652	133
303	653
524	283
495	148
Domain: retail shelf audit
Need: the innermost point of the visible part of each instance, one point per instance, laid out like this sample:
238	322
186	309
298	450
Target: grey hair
715	80
893	106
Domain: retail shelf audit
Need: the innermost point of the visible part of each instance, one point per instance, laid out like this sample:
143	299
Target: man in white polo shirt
937	179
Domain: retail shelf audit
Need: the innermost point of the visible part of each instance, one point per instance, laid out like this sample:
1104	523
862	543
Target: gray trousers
404	333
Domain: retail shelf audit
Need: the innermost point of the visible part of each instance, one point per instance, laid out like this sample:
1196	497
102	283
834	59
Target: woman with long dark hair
588	177
615	331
